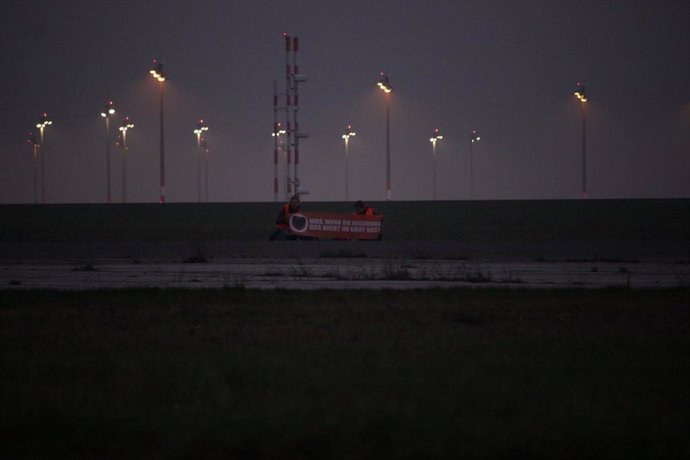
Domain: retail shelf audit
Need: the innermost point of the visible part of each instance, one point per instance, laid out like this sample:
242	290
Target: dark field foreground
345	374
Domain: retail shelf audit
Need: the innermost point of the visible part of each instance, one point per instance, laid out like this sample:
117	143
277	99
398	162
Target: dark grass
412	220
345	374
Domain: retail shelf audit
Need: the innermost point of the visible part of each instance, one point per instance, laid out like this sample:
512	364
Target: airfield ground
594	366
596	243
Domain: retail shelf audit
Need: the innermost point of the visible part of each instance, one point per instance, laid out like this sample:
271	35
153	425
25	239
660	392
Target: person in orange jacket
362	210
282	231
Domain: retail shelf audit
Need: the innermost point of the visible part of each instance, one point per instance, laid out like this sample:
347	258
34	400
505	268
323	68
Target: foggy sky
506	68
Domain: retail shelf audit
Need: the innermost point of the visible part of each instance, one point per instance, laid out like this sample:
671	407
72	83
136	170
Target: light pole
34	147
474	137
435	137
157	73
204	148
42	123
385	85
278	131
201	127
126	124
348	133
107	113
581	94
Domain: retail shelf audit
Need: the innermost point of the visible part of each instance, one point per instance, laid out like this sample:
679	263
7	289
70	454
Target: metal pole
471	170
275	140
287	169
124	166
288	103
206	170
162	147
107	155
198	168
388	146
433	148
35	147
347	154
43	179
584	152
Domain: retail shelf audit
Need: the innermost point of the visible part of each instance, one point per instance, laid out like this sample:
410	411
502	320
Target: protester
282	231
362	210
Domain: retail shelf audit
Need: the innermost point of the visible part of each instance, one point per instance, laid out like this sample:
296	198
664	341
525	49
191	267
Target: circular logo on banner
299	223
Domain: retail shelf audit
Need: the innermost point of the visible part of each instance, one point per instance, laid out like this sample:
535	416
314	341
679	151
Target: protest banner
336	226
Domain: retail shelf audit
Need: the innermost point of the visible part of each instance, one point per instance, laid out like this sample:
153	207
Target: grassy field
345	374
419	220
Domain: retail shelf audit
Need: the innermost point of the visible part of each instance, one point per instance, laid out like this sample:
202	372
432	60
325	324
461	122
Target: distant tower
293	133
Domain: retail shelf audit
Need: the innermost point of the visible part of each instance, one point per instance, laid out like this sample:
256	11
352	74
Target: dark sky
507	68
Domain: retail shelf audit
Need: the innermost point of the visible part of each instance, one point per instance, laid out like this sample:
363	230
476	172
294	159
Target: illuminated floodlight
126	124
44	121
279	130
435	136
201	126
580	92
384	83
157	70
348	133
109	109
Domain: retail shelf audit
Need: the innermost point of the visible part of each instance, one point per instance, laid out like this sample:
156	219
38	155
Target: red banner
336	226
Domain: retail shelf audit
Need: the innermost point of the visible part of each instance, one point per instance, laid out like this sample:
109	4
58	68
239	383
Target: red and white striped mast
275	140
295	108
293	134
288	126
296	78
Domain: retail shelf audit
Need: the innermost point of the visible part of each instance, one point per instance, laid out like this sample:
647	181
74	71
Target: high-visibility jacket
367	212
283	220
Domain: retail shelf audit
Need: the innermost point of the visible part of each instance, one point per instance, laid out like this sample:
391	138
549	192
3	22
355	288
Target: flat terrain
237	373
571	243
195	363
343	273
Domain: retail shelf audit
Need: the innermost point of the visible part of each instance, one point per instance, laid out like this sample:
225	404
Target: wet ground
344	265
342	274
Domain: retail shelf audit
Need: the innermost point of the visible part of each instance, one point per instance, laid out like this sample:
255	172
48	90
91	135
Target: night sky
506	68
